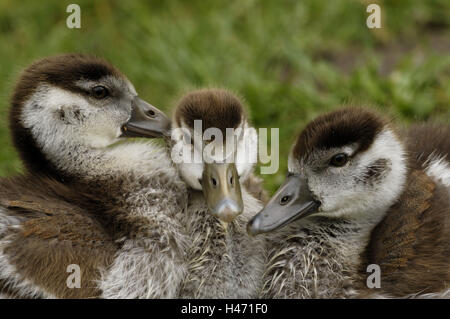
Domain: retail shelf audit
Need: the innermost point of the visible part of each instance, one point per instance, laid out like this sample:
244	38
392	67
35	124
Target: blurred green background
289	60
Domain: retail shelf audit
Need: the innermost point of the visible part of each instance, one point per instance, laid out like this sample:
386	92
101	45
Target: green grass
289	60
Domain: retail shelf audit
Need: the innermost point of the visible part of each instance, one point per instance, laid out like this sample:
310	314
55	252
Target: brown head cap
215	107
339	128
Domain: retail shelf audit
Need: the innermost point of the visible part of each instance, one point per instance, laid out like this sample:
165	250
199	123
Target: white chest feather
439	170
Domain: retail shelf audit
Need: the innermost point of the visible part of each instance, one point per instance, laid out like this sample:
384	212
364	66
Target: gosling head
345	164
76	100
212	128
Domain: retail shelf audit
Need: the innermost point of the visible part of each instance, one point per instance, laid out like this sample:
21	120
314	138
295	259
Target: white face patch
247	152
244	155
366	185
43	108
191	174
58	118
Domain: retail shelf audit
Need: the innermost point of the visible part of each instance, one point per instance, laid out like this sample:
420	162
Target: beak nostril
213	181
151	113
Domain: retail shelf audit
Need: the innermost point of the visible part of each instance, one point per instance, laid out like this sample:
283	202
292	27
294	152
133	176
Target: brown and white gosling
359	192
109	209
222	261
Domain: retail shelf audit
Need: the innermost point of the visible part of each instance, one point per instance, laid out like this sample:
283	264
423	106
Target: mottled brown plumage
52	232
412	243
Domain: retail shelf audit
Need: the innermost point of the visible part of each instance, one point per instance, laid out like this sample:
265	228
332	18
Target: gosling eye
339	160
285	199
99	92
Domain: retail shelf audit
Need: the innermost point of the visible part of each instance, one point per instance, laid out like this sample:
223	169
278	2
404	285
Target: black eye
100	92
339	160
285	199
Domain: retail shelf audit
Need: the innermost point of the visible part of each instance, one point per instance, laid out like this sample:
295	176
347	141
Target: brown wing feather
411	244
53	234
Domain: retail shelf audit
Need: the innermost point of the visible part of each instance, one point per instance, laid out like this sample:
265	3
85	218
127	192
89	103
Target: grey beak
222	190
145	121
293	200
